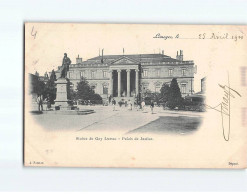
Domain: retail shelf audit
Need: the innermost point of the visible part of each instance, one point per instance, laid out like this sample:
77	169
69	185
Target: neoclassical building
125	76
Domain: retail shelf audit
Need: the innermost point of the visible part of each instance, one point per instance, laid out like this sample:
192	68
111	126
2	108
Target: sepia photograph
144	92
120	89
123	96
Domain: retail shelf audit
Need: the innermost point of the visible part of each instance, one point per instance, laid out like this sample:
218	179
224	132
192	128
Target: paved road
123	120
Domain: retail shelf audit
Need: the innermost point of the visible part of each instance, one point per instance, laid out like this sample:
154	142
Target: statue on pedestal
61	84
65	66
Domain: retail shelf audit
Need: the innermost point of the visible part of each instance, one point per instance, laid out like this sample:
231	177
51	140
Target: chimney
181	55
177	57
78	60
102	58
162	52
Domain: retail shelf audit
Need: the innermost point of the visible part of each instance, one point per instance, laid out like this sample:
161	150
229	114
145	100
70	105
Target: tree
174	98
37	86
71	94
50	88
85	92
164	93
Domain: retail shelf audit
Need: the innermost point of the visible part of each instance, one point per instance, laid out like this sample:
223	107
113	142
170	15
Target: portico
124	82
124	78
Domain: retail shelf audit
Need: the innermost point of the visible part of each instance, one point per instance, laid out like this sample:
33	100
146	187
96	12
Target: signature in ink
224	108
33	33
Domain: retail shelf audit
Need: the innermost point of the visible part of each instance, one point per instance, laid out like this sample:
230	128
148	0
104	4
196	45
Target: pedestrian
40	102
113	104
152	106
109	98
139	105
48	102
129	105
45	102
143	104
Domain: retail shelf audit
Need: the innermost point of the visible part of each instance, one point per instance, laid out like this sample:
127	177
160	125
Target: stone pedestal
61	98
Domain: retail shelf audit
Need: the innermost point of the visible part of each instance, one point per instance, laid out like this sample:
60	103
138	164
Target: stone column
137	82
128	83
119	82
111	84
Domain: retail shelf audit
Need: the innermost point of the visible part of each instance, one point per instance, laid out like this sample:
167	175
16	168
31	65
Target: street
123	120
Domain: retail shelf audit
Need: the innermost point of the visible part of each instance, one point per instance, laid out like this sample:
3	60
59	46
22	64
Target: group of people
143	104
140	106
129	104
40	101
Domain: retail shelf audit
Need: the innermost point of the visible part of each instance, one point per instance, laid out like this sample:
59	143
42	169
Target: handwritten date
220	36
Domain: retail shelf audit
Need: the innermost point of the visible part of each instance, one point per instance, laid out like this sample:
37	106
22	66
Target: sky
46	43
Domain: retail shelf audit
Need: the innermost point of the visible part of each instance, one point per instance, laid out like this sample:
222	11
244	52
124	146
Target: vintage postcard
135	95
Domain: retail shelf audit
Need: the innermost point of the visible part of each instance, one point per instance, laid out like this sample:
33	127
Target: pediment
125	60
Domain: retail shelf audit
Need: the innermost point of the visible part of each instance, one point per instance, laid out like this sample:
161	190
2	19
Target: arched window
145	86
183	88
105	89
157	87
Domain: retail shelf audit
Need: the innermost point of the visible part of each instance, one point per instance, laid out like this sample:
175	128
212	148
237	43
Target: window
93	74
145	86
158	72
105	89
168	83
104	74
70	74
157	88
145	73
183	72
183	86
72	86
93	87
82	74
170	72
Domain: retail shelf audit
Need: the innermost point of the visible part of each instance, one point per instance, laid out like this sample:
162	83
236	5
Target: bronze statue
65	66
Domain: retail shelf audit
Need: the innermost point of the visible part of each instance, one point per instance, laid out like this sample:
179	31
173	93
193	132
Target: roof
154	58
134	56
143	59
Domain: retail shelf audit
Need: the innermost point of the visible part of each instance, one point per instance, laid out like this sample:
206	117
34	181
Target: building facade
44	78
126	76
203	85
